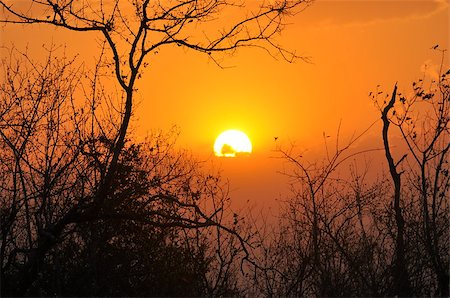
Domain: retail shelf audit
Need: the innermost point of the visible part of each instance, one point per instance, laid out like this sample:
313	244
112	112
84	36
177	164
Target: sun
232	143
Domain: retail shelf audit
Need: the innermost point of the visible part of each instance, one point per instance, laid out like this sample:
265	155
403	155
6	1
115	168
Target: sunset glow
231	143
288	148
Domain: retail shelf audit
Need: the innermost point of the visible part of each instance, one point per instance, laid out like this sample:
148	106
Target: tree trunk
400	274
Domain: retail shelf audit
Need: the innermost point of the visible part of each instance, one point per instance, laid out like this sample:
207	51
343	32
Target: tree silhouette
422	119
317	249
402	284
124	250
341	233
54	154
131	31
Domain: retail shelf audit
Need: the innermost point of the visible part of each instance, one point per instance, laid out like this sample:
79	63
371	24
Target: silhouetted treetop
145	26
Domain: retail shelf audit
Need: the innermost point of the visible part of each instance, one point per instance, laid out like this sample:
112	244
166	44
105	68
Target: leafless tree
131	31
41	154
54	153
343	234
317	248
422	117
401	277
134	29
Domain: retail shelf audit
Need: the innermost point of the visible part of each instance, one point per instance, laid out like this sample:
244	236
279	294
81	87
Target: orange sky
354	46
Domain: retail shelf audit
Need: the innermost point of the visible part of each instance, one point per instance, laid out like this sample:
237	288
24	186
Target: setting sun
231	143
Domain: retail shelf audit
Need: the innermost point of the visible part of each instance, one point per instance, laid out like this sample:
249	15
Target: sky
353	46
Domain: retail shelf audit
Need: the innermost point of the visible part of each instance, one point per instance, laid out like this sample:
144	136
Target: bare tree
131	30
135	29
401	279
422	119
41	155
316	250
341	235
54	154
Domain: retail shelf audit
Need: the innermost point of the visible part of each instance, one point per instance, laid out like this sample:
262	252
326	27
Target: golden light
232	143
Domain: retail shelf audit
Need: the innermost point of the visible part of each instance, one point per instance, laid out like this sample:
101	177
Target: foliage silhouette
55	233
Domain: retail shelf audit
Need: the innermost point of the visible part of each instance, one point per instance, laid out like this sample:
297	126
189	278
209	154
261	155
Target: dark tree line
343	234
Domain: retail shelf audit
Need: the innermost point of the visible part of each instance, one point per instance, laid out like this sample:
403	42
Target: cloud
366	12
